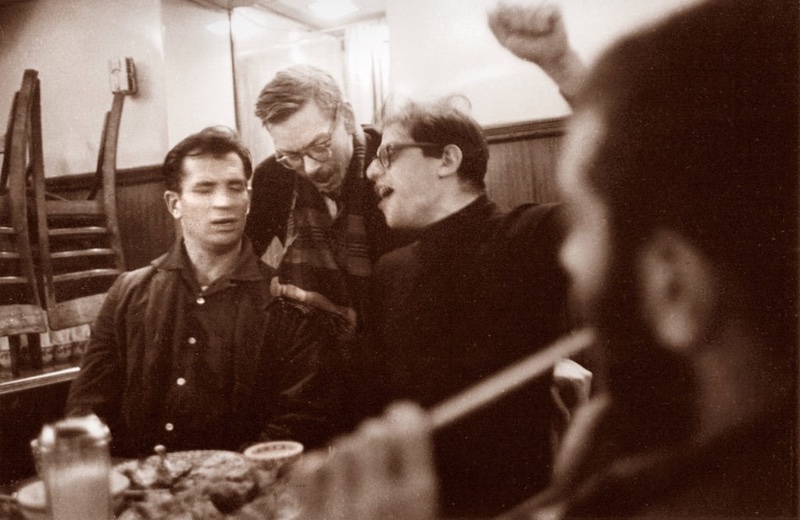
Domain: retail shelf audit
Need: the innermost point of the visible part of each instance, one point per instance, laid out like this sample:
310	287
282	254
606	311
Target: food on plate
217	484
158	472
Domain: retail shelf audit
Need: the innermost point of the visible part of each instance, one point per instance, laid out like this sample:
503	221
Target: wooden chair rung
83	275
85	230
73	207
13	280
9	255
80	253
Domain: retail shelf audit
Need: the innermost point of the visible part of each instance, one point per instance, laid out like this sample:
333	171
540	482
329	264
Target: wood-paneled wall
522	162
147	229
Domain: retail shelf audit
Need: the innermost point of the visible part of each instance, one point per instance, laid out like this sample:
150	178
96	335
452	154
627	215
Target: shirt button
192	340
169	427
181	381
200	300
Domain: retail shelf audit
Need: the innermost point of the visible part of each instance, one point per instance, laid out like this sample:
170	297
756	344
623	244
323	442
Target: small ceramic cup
271	455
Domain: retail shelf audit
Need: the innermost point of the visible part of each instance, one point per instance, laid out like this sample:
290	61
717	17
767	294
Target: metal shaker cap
88	429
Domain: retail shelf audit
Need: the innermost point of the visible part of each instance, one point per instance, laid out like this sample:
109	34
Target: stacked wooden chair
78	240
58	256
21	310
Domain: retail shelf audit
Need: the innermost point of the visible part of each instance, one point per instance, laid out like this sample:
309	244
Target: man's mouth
225	222
324	181
383	191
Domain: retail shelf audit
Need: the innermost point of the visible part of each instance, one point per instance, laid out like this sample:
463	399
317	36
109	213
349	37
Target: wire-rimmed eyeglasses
319	152
386	153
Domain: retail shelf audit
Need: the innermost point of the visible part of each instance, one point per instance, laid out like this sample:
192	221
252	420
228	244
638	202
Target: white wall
183	70
70	42
183	62
264	44
445	46
197	68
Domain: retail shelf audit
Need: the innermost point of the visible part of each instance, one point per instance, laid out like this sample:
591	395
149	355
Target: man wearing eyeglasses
477	291
314	214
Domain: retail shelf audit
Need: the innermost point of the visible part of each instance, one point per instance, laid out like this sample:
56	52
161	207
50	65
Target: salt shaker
75	465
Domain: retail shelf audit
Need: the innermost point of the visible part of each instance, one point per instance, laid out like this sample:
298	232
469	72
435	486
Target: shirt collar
246	268
463	219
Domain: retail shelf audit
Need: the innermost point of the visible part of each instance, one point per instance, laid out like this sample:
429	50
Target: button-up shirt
173	363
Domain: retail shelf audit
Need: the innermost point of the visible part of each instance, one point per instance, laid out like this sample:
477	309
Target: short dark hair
701	135
443	122
216	141
292	88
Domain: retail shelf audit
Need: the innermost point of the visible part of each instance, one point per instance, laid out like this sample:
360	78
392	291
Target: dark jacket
275	388
479	290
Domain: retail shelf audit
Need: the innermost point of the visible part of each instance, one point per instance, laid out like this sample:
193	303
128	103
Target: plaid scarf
326	261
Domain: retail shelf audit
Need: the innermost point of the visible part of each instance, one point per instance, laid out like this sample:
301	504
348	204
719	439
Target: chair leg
35	351
14	343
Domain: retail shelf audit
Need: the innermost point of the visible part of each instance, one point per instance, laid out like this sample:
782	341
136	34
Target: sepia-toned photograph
399	259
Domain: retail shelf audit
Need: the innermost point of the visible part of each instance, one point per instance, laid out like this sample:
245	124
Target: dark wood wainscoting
146	227
522	162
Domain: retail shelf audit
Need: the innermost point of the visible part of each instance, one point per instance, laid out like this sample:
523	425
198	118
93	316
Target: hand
383	470
534	33
537	34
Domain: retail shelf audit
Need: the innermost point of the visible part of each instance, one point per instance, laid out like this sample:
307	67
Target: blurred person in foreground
680	175
192	351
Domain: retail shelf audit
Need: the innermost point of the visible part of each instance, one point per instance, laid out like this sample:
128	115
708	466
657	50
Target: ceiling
299	11
296	10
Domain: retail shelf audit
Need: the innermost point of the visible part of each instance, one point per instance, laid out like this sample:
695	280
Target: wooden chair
21	310
79	243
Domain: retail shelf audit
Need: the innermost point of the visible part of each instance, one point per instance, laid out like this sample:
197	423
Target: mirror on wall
348	39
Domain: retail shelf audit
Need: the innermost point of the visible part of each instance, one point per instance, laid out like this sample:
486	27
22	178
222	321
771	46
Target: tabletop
205	484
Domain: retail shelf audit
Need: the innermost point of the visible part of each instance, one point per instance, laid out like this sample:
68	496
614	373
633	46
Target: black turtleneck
477	291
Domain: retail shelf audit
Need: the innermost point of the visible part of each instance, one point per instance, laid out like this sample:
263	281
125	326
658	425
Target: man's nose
374	170
223	198
310	165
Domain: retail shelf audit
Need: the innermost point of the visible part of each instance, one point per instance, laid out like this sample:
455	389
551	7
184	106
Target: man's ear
451	160
679	290
171	198
349	116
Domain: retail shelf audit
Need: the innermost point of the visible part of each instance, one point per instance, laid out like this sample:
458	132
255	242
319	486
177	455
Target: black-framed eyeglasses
318	152
387	152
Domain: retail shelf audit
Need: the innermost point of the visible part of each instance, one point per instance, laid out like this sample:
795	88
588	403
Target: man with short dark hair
479	289
192	352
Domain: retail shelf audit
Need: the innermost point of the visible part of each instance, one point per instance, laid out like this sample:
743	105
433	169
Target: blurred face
409	187
585	253
213	202
316	145
635	368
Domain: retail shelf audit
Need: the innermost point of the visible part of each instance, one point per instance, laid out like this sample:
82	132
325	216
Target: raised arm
536	33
